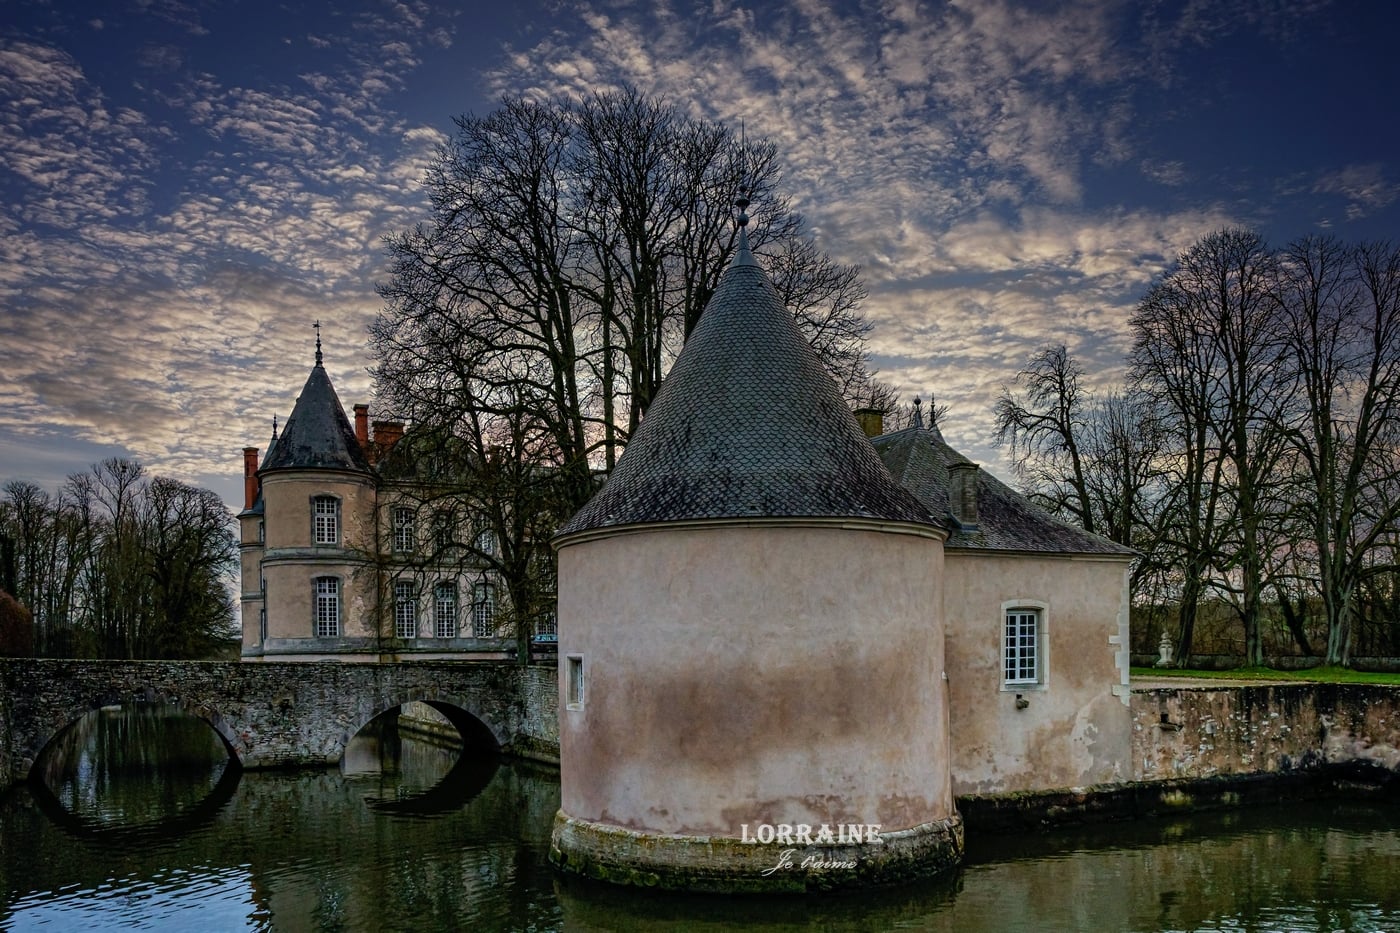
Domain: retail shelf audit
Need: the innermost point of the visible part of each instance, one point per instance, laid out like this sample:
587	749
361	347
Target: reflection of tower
750	630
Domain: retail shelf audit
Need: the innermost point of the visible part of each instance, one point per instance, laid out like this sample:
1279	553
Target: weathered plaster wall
810	691
272	714
291	561
1209	732
1074	730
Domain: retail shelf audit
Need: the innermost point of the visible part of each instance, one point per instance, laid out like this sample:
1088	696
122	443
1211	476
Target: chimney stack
250	476
871	420
386	435
362	426
962	493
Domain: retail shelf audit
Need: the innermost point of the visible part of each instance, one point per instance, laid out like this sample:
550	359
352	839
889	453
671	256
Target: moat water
141	825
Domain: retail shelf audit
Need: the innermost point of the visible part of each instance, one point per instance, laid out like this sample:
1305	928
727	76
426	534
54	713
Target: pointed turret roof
318	434
748	425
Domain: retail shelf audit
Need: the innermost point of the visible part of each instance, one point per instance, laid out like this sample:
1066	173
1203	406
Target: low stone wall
537	735
1206	732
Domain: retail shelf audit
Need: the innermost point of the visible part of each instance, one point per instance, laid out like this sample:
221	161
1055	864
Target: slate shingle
919	458
748	424
318	434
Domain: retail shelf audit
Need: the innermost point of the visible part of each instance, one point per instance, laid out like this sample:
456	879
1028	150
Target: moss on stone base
725	864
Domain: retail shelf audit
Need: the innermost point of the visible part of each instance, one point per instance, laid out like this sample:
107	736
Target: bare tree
572	248
1042	425
1342	317
1208	348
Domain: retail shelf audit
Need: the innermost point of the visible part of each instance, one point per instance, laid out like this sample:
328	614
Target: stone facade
276	715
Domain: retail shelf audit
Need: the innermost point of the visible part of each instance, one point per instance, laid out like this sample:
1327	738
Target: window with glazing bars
403	531
484	611
405	611
326	519
327	607
445	610
1021	647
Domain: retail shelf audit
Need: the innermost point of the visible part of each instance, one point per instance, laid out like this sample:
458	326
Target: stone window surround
1041	610
404	522
445	609
331	522
327	598
405	610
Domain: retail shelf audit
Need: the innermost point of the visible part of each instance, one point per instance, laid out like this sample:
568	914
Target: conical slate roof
747	425
317	434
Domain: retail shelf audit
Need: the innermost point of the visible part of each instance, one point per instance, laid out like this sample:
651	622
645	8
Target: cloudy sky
187	186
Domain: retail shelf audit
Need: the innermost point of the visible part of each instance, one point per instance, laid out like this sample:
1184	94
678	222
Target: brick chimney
962	493
250	476
871	420
386	435
362	426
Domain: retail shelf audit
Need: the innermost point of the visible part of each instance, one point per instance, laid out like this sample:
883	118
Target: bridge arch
276	714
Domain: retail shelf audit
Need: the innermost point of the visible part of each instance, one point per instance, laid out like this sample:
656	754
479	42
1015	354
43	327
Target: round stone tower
752	693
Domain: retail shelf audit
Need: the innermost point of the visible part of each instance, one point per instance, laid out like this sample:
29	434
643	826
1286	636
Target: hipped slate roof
747	425
919	458
317	434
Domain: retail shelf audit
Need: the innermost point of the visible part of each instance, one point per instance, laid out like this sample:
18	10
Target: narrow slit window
575	681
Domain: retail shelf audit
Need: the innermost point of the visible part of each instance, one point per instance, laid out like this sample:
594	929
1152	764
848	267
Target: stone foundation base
725	864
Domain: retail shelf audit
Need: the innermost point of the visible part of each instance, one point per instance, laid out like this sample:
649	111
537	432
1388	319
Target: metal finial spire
274	427
742	201
918	412
317	325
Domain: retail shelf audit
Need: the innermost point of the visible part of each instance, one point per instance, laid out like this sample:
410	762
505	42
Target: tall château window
327	603
442	530
485	542
405	610
404	542
445	610
1023	649
483	611
325	520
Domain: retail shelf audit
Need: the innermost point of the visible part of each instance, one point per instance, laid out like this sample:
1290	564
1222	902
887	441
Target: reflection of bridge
276	715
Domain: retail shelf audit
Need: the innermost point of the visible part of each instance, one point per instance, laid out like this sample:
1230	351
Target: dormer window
325	520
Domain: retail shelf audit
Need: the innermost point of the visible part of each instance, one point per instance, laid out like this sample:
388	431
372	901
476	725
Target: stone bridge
280	714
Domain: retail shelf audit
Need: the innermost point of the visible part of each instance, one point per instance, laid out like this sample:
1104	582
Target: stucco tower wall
762	673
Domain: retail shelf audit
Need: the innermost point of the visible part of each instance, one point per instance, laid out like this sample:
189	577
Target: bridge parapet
276	714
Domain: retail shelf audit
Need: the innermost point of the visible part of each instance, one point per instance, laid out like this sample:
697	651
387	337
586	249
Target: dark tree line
571	248
119	564
1252	454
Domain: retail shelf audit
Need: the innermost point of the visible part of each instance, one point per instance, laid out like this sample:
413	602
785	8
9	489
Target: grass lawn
1325	675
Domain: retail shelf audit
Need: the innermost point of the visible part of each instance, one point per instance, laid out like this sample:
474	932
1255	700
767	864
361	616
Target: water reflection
414	835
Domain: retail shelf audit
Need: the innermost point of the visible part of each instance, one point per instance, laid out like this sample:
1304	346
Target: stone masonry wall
1195	733
273	715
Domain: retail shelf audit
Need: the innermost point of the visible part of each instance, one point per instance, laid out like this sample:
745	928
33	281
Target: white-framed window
262	532
485	542
1023	644
547	627
327	603
325	520
405	610
404	538
483	610
445	610
442	530
573	681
